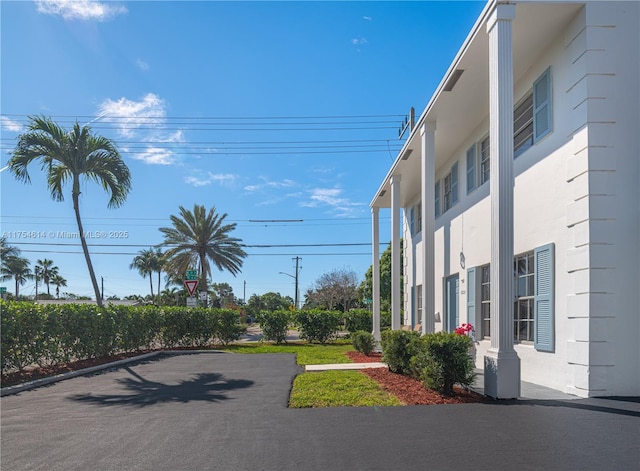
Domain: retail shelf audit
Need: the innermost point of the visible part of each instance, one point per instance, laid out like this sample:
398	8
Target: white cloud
142	65
359	41
80	9
332	197
368	18
286	183
10	125
128	115
210	178
155	156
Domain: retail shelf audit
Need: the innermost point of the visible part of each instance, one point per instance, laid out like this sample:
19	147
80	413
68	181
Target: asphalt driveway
221	411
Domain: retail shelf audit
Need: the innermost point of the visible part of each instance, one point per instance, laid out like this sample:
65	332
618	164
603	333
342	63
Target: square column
427	134
395	252
375	272
501	364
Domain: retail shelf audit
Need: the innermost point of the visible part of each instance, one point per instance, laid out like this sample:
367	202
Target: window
523	125
450	188
415	219
533	308
478	165
485	301
523	313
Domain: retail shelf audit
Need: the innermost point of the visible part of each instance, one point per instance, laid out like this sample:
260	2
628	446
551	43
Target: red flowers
464	329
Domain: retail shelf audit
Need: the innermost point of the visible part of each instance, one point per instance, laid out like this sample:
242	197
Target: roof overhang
457	113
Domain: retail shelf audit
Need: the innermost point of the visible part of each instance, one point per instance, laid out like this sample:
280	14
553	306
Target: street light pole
297	259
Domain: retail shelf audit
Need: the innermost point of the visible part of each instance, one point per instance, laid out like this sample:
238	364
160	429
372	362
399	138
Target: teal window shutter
471	169
543	261
542	105
412	220
454	184
471	297
437	198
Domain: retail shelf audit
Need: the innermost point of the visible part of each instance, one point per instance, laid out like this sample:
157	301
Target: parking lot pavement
224	411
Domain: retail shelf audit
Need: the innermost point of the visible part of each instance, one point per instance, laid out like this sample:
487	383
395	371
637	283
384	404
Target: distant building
516	197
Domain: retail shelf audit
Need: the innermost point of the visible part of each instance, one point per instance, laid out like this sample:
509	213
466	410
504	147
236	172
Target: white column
375	271
427	133
395	252
501	364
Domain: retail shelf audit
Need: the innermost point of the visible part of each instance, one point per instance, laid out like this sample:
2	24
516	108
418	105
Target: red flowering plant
466	329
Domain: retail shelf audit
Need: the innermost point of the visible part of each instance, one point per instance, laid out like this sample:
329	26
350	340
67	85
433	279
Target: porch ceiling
459	112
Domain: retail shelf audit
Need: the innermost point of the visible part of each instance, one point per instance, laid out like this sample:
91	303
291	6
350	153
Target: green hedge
274	325
49	334
316	325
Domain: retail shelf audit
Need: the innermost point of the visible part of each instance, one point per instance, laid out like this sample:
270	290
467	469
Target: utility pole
102	293
297	259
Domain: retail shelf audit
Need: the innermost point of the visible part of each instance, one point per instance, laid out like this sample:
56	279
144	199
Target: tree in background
334	290
45	269
16	268
148	262
267	302
366	287
72	156
58	282
198	239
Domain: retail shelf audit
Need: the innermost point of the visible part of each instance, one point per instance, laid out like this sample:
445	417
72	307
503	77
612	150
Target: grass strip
306	354
338	388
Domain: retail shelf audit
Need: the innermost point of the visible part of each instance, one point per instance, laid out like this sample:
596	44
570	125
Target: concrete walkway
345	366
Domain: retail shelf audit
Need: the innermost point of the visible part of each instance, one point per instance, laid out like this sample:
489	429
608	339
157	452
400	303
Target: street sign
191	275
3	289
203	296
192	301
191	286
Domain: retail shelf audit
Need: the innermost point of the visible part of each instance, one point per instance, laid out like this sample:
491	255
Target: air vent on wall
406	155
455	76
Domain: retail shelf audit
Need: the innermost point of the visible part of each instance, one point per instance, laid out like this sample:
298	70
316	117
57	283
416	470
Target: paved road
221	411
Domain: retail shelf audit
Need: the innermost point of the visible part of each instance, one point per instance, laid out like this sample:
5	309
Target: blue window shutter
454	184
471	169
542	105
437	198
412	220
543	261
471	296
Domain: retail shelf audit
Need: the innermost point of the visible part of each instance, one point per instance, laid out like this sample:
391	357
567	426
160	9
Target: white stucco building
516	196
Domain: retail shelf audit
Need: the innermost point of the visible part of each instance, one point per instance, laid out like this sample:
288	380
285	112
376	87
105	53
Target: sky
282	115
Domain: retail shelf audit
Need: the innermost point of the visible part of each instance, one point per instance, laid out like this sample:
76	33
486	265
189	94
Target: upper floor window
415	219
450	188
478	165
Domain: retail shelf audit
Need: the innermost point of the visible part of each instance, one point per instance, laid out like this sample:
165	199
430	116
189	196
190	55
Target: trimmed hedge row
49	334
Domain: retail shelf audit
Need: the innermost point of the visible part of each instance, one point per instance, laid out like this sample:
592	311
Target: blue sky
265	110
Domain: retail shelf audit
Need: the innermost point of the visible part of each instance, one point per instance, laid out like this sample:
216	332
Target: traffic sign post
191	286
192	301
191	275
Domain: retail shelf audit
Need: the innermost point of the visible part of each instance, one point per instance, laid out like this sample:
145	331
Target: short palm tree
70	157
45	269
198	239
16	268
58	281
147	262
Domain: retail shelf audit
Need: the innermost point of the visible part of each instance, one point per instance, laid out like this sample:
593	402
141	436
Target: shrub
318	326
359	319
229	328
363	341
396	349
441	360
274	325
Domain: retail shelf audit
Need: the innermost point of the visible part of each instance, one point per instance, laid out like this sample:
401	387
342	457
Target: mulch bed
408	390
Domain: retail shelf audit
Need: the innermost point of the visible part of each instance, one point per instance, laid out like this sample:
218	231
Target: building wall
577	188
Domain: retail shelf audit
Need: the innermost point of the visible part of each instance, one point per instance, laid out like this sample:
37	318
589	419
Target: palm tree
70	156
58	281
198	239
45	269
18	269
7	250
147	262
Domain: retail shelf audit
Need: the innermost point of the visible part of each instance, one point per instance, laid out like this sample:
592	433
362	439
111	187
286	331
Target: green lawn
306	354
336	388
325	388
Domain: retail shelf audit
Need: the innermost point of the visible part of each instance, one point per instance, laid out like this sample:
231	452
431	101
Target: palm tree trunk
36	287
17	287
85	249
151	284
159	299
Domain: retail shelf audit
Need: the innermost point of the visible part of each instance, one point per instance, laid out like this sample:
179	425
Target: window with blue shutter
542	105
471	297
544	298
471	169
412	220
437	198
454	184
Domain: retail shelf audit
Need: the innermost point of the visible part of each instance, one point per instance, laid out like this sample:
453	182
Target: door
451	316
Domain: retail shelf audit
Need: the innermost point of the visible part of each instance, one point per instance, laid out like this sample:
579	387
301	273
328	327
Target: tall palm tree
72	156
58	281
16	268
199	238
45	269
7	250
